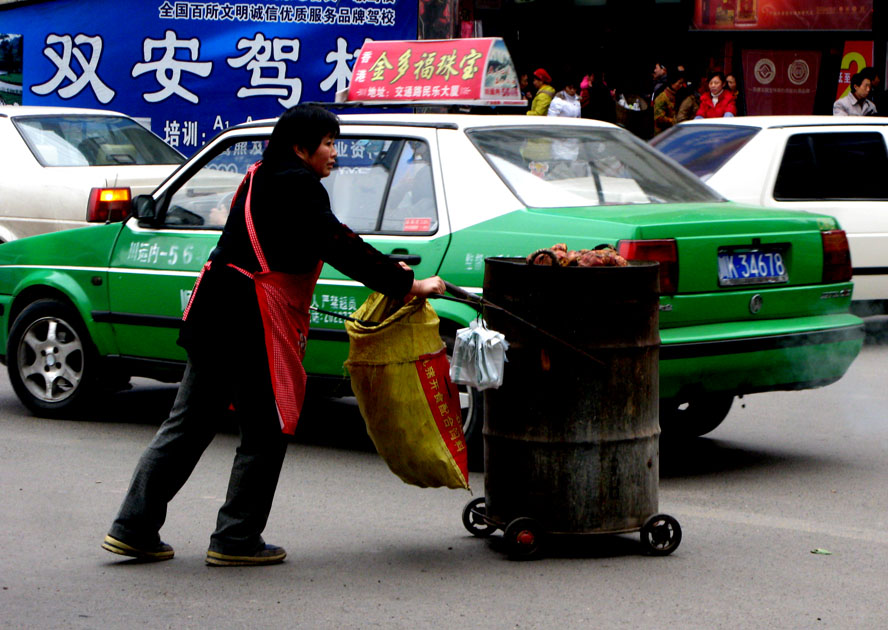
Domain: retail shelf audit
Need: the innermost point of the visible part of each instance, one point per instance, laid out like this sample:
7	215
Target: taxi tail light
836	257
109	204
663	251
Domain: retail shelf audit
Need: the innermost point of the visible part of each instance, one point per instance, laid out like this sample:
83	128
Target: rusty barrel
573	440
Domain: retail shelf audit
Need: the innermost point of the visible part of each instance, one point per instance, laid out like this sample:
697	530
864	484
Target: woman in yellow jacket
544	93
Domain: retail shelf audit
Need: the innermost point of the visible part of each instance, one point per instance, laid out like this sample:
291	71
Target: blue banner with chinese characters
191	69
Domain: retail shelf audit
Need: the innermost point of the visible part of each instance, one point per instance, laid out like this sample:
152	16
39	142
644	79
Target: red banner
472	71
857	56
443	398
780	82
807	15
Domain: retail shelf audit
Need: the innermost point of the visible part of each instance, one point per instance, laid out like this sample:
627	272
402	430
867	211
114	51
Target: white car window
55	150
703	149
204	199
410	204
93	140
838	166
383	186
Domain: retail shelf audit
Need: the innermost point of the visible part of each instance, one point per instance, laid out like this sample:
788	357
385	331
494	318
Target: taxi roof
448	121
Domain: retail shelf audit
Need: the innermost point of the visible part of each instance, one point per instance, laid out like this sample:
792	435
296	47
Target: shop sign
190	69
807	15
780	82
458	71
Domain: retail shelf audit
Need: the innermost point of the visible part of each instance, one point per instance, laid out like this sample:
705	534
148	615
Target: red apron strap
206	268
242	270
248	215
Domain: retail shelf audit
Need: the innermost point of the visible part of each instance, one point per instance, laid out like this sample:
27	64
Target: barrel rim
515	260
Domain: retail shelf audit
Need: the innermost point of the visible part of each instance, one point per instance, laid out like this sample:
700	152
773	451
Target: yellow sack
401	378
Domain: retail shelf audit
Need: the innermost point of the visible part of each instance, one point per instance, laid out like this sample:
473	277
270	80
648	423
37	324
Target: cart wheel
522	537
475	518
660	535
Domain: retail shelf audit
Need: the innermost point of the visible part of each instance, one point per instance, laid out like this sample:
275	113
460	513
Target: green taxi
752	300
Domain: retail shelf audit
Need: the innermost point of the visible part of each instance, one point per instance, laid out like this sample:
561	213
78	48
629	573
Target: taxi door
153	269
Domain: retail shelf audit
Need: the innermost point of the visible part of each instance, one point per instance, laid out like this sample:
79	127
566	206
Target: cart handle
461	294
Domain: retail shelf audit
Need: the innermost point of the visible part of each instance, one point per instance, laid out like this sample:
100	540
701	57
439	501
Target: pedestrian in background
856	102
688	100
661	79
877	94
544	92
566	103
717	102
664	104
739	100
524	85
596	99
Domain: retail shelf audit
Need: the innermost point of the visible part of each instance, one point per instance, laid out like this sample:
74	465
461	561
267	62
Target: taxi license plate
737	267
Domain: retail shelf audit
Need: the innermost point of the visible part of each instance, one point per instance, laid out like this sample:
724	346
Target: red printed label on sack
443	398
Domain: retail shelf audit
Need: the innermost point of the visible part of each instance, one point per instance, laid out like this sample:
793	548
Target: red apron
284	301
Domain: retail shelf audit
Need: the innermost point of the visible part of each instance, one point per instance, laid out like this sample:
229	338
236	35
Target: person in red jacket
717	102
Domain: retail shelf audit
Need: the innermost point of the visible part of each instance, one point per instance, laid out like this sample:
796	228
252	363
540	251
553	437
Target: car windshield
559	167
703	149
79	140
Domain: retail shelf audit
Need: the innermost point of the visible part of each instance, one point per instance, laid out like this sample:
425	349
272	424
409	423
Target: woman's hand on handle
426	287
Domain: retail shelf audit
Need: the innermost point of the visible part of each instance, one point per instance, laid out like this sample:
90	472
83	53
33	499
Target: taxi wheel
693	416
51	361
472	408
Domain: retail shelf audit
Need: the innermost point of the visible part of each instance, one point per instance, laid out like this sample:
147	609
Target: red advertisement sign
779	81
807	15
452	71
857	56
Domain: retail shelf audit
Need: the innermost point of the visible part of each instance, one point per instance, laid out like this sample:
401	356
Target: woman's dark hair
717	73
301	125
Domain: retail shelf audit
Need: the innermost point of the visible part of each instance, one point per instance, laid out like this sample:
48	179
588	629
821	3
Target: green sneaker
269	554
161	551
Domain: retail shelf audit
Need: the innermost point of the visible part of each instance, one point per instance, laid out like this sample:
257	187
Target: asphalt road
786	474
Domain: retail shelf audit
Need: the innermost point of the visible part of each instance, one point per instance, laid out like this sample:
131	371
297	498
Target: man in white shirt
856	103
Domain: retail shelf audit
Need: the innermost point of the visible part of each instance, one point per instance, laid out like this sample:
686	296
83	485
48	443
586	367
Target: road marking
790	524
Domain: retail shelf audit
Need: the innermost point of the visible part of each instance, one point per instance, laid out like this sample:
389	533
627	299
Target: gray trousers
207	389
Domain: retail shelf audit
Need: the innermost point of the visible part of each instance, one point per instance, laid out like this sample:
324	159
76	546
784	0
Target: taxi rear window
565	166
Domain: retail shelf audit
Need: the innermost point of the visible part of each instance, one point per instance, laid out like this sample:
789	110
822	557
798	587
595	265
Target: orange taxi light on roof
472	71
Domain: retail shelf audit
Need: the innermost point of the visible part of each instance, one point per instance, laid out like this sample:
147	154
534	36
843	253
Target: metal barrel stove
571	438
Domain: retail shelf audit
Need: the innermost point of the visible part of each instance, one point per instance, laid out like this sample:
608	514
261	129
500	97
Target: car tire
51	359
472	409
693	416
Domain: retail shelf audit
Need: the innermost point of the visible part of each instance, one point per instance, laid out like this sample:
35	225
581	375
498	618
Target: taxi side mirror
144	209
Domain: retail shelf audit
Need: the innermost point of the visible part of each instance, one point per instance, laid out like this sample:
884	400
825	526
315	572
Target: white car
831	165
64	167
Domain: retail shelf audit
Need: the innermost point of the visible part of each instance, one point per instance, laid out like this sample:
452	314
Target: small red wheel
523	537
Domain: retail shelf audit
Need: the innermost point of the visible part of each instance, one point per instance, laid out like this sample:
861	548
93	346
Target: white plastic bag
479	356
